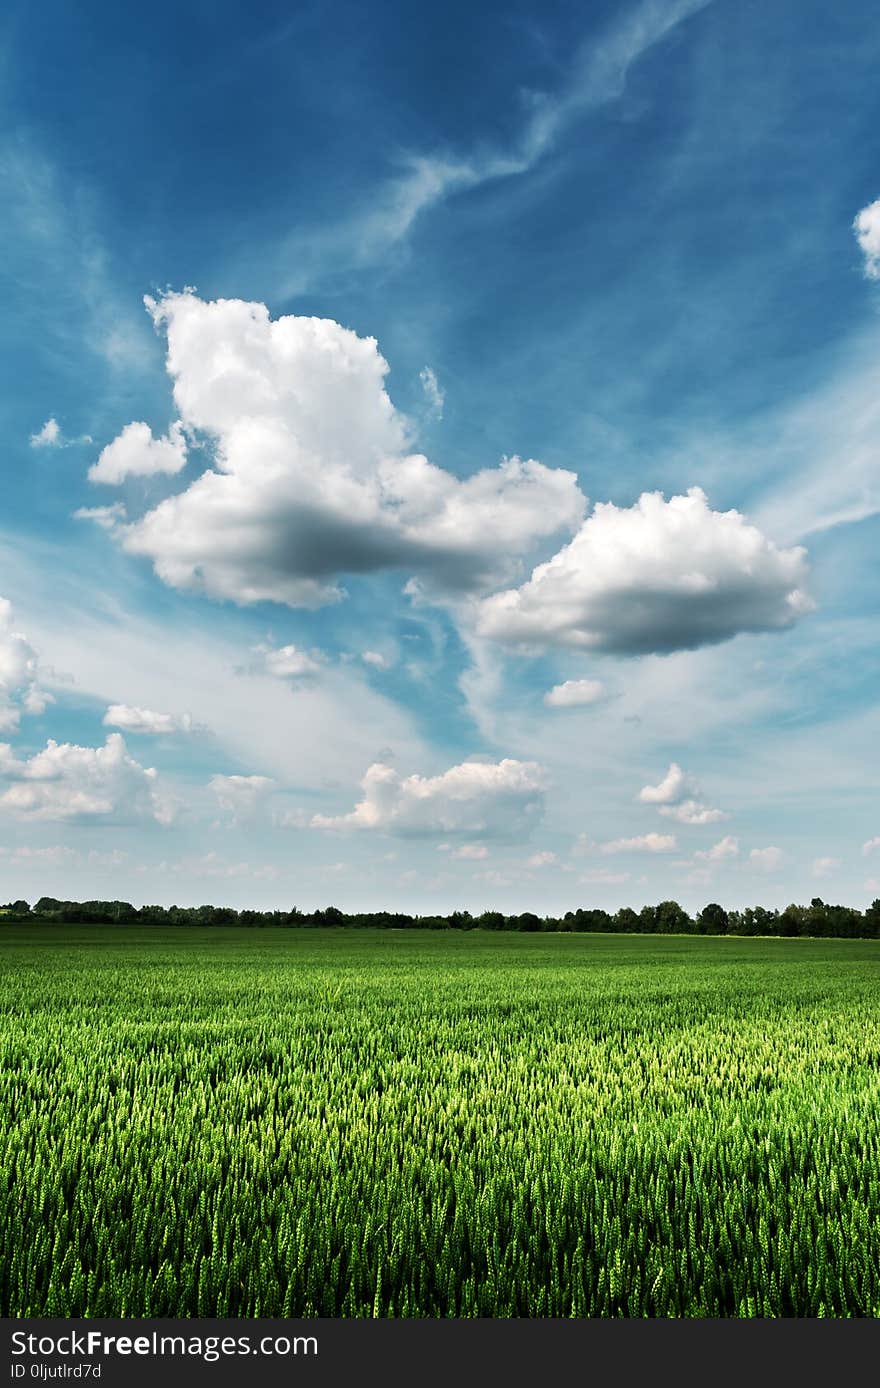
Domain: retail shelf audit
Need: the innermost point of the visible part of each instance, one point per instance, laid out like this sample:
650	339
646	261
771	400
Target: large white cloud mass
312	477
486	798
65	781
19	686
867	229
657	577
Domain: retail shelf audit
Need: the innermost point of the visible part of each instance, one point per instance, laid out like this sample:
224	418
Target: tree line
666	918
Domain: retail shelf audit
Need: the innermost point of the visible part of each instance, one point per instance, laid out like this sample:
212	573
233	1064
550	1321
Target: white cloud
66	781
720	852
434	393
241	796
644	843
145	720
216	865
692	812
310	740
672	788
19	676
868	848
583	846
657	577
376	659
291	662
54	855
136	453
824	867
475	797
602	877
867	229
110	518
312	475
49	436
544	859
574	694
471	852
766	859
669	797
115	858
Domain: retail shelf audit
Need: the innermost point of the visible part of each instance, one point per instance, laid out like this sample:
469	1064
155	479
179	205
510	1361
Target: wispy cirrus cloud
597	76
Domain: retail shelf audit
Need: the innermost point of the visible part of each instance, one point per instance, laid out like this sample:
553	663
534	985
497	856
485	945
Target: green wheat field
230	1122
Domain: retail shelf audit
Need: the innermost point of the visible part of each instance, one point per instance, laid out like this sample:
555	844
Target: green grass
269	1122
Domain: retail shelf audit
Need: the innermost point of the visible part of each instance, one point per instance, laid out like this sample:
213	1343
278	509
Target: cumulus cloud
434	393
145	720
869	847
290	662
673	787
136	453
657	577
312	475
49	436
574	694
720	852
824	867
643	843
544	859
766	859
376	659
19	677
66	781
488	798
241	796
471	852
675	797
867	229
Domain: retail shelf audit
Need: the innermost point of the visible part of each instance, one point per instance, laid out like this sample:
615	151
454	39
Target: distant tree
648	919
672	919
591	920
48	906
713	919
527	921
331	915
626	919
491	920
461	920
794	920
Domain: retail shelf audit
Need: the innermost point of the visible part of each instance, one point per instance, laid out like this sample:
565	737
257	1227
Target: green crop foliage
318	1123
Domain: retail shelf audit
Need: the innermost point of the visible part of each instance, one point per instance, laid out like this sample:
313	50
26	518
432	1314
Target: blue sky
483	507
